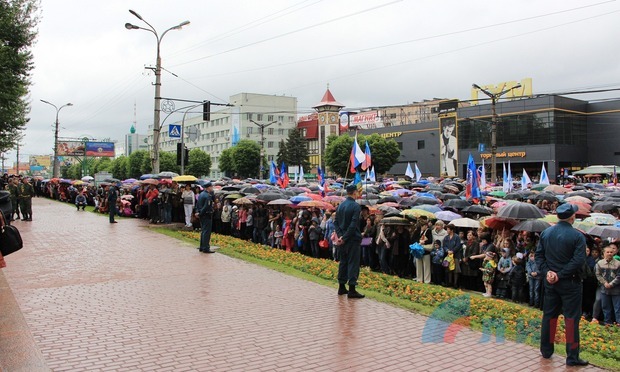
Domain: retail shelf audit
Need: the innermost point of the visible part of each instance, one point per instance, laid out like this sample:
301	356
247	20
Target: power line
291	32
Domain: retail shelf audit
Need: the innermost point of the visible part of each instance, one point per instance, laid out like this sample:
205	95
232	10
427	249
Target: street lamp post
262	127
56	165
156	127
494	97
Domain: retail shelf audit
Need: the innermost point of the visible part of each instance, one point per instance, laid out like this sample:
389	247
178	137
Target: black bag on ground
10	238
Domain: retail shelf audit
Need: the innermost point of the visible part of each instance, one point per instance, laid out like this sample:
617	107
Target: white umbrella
465	222
87	178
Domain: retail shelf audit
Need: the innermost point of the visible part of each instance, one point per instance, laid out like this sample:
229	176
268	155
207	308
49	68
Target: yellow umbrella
185	178
551	218
415	213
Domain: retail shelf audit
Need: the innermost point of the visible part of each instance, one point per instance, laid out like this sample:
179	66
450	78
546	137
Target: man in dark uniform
112	198
26	192
347	226
205	213
14	191
560	256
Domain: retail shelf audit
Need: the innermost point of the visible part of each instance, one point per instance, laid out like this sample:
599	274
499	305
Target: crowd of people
497	263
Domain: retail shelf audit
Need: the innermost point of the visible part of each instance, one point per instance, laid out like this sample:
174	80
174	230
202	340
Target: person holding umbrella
560	256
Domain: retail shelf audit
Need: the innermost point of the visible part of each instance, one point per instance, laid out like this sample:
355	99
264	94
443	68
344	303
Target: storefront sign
365	120
391	135
504	154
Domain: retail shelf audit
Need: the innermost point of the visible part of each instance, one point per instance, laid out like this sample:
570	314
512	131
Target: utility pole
17	161
494	98
262	127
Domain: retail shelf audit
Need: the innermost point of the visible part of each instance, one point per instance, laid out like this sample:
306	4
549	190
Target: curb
18	349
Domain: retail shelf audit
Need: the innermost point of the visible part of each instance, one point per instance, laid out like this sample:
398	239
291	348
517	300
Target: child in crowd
608	275
534	280
488	272
517	277
436	260
277	236
503	268
314	234
449	265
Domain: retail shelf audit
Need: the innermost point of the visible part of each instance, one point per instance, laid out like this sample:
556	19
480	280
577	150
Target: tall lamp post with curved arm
56	165
156	127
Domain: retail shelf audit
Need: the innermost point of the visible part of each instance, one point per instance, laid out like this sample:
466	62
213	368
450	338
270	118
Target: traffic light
206	111
179	152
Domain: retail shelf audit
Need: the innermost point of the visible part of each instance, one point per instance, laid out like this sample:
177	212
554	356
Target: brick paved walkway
120	297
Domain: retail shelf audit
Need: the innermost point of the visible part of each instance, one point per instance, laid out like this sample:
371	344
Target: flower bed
453	306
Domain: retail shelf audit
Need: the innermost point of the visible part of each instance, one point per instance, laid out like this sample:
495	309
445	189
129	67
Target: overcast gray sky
370	52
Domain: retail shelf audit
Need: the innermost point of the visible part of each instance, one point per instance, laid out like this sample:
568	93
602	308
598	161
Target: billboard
448	143
100	149
70	148
40	160
366	120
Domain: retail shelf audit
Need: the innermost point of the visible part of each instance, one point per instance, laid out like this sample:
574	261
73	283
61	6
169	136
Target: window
270	131
250	130
400	145
249	115
269	144
393	116
421	145
280	118
259	117
269	117
280	132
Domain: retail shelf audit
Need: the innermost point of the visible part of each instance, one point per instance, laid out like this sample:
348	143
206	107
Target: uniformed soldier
14	191
560	256
26	192
347	228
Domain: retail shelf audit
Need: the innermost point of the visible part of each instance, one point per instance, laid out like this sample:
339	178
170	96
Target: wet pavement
101	296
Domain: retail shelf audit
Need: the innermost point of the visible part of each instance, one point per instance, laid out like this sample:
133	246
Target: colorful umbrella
499	223
415	213
428	208
279	202
556	189
447	216
601	219
578	199
185	178
243	201
150	181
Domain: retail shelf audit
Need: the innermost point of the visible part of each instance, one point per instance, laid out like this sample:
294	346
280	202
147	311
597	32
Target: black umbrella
520	211
230	188
605	232
408	202
269	196
449	197
457	204
532	226
605	206
546	196
425	200
386	199
396	221
250	190
614	194
365	202
514	196
370	196
478	209
388	210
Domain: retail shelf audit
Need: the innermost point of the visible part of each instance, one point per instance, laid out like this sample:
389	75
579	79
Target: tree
168	162
227	166
119	167
384	152
18	23
296	150
101	165
246	158
134	165
281	155
199	163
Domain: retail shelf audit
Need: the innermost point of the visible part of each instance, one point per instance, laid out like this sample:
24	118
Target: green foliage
135	163
74	172
242	160
227	166
295	151
199	163
101	165
384	152
281	155
168	162
18	22
119	167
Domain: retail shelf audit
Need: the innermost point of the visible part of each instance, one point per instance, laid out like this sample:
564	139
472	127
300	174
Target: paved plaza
100	296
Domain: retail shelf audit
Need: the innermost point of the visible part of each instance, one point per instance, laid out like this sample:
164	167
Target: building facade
134	142
266	119
559	132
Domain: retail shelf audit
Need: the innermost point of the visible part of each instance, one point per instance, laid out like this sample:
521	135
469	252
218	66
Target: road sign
174	131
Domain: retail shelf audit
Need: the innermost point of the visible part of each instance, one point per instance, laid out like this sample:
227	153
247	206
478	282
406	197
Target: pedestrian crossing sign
174	131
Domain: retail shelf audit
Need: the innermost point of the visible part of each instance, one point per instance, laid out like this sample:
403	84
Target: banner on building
70	148
100	149
366	120
448	139
236	125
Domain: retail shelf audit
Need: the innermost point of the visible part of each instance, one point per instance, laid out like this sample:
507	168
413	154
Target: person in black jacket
516	277
347	226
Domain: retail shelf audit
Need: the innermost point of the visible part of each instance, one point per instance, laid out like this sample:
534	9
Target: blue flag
273	179
472	189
